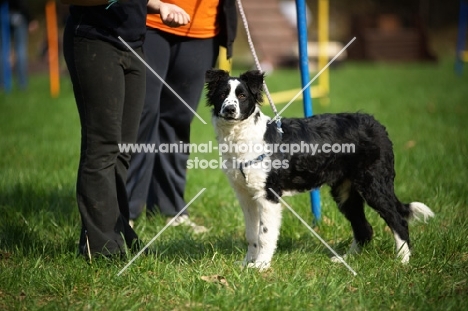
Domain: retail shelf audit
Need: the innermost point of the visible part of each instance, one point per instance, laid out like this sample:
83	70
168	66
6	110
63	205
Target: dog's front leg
270	223
252	222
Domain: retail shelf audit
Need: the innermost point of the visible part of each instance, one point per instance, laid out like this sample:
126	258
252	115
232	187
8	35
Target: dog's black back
371	148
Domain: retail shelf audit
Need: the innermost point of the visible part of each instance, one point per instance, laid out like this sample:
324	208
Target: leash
277	117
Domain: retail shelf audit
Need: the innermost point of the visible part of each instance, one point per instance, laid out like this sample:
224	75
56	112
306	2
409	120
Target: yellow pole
322	89
52	41
323	80
223	62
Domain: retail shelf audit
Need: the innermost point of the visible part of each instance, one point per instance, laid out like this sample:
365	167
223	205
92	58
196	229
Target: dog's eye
241	96
223	95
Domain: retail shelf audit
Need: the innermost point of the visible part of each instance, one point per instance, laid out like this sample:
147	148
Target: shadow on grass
45	222
38	221
187	247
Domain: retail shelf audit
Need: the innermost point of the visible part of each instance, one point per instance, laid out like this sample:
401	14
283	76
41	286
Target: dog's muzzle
229	111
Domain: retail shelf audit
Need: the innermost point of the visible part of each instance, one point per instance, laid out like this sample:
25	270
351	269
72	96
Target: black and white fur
364	176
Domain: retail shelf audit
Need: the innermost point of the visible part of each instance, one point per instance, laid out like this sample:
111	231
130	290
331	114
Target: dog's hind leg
351	204
379	194
270	223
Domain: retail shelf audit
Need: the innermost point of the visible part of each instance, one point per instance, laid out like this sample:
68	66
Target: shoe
184	220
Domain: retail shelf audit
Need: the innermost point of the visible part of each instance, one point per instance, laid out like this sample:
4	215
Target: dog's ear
254	80
213	77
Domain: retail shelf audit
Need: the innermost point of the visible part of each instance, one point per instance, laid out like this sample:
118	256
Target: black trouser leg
109	87
141	166
190	59
154	178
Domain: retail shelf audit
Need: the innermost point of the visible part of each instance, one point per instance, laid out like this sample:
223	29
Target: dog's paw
353	250
260	265
338	259
403	254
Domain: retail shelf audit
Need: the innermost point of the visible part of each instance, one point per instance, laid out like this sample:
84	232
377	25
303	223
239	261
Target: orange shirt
203	21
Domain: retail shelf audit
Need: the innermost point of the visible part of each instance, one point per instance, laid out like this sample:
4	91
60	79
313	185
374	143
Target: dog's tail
419	211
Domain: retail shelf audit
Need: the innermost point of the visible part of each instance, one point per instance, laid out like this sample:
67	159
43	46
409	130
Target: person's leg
135	86
99	87
190	58
156	50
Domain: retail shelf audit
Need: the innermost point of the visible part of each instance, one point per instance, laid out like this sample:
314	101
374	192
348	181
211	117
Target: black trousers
109	88
158	180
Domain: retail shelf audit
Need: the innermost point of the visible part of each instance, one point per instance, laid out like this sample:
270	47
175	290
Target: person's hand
172	15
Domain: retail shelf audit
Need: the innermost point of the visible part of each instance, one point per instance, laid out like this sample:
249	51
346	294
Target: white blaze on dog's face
230	109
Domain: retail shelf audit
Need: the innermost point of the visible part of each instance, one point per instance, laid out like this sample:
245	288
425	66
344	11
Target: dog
260	172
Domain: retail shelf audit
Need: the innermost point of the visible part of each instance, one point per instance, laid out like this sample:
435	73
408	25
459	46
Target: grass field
423	106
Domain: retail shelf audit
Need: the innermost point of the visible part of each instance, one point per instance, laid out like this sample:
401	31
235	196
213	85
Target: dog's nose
231	109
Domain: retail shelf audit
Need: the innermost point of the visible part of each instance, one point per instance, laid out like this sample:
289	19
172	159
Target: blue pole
462	25
305	78
5	45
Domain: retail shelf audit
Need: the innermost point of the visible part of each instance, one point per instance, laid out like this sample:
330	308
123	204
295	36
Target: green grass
423	106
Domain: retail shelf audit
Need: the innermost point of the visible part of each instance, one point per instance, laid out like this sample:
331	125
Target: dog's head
234	98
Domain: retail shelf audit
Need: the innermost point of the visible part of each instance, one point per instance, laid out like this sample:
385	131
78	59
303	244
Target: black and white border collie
366	175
